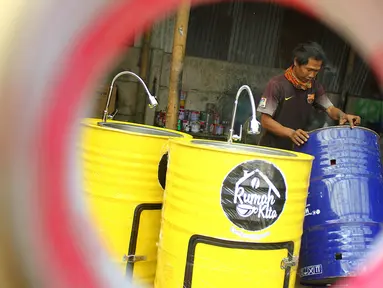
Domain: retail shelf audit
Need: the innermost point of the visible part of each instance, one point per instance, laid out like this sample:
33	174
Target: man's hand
351	119
299	137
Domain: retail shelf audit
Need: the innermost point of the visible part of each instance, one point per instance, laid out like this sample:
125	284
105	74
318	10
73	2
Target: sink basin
124	164
246	148
141	129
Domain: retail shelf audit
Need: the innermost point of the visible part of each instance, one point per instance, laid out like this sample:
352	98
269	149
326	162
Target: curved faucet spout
254	124
152	99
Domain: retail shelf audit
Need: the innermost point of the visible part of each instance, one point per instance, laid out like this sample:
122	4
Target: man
289	99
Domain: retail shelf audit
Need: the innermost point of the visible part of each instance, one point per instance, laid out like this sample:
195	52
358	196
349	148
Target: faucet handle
111	116
153	101
238	137
254	126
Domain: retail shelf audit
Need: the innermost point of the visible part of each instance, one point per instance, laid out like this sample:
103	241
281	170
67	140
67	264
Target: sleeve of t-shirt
321	102
270	99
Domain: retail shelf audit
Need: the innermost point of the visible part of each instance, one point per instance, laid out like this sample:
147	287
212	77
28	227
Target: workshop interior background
236	43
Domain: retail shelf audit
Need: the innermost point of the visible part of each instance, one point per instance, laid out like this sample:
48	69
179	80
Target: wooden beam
347	79
142	98
178	55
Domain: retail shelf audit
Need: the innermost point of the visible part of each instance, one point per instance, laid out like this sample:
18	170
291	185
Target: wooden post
178	55
144	65
347	79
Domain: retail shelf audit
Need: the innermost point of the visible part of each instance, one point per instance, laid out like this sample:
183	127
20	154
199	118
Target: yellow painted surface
120	173
192	206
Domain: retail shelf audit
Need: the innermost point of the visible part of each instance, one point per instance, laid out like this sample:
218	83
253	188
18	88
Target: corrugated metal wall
255	34
162	34
250	33
239	32
337	52
210	28
359	77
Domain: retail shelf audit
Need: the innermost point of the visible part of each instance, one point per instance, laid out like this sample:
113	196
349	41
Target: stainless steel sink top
239	147
140	129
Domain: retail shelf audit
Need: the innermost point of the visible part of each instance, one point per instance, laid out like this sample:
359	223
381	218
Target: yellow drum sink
123	190
232	216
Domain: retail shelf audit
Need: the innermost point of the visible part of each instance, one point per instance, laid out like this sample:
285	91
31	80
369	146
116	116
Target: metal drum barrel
344	210
232	216
123	191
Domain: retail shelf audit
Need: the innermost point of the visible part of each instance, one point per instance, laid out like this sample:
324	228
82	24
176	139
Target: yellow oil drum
123	192
232	216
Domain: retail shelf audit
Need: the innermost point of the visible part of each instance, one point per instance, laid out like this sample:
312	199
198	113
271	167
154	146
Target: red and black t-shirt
290	107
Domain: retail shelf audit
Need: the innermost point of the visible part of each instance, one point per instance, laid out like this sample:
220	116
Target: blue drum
344	212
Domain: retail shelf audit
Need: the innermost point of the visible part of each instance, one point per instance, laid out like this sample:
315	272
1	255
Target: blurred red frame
98	47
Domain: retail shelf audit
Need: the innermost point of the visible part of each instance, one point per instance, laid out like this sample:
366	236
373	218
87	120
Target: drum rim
343	127
96	126
298	156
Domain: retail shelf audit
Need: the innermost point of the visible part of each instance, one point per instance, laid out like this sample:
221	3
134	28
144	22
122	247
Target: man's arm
323	102
335	113
268	106
297	136
270	124
343	118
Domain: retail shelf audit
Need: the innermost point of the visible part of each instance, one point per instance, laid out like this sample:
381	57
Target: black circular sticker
253	195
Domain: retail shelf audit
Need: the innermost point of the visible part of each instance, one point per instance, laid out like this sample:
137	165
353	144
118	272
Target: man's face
308	72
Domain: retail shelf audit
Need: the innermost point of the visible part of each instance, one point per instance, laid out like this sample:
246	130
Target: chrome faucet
254	124
152	99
